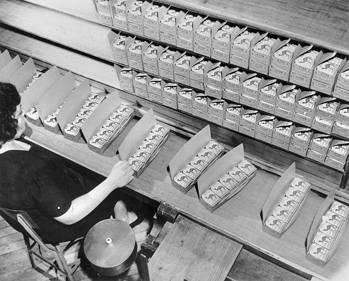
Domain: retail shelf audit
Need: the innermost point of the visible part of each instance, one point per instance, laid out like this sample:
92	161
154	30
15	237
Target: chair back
23	218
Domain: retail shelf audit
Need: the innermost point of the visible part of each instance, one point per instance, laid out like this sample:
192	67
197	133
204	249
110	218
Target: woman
61	202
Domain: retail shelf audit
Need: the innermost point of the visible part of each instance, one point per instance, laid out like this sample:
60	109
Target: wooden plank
192	252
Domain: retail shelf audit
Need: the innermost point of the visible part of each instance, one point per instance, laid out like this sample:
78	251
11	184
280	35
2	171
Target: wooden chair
32	239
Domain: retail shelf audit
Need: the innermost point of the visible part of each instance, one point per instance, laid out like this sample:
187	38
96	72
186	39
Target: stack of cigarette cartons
125	75
232	85
119	43
241	45
318	147
325	114
193	159
106	123
186	27
134	51
198	73
102	8
265	127
262	51
232	115
203	36
182	68
118	14
221	41
341	90
326	72
282	133
214	80
169	95
200	106
135	11
185	99
168	25
341	124
300	139
35	93
166	63
303	66
268	92
151	20
337	154
327	231
284	202
306	104
248	122
150	58
250	90
140	84
155	86
225	178
282	58
143	142
215	110
50	104
76	109
286	101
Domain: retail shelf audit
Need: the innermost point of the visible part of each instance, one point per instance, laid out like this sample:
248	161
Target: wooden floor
15	265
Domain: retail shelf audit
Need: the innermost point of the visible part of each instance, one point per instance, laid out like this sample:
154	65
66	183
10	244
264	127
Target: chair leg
29	250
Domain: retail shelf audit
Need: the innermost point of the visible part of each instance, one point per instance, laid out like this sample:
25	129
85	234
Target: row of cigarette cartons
106	123
284	202
143	142
225	178
329	226
193	159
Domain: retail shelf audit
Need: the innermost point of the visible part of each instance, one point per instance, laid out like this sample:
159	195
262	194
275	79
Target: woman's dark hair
9	99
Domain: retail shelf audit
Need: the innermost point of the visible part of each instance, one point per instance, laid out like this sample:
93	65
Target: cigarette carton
151	20
186	27
200	106
155	86
284	203
97	136
341	89
282	58
221	41
125	76
140	84
135	11
203	36
216	186
150	58
300	140
303	66
182	68
166	62
262	51
118	14
168	25
215	111
169	95
241	45
286	101
137	145
325	237
325	72
119	43
185	99
102	9
200	145
198	72
232	85
265	127
282	134
134	50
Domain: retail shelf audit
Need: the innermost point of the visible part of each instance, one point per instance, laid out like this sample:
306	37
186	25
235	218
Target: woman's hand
121	174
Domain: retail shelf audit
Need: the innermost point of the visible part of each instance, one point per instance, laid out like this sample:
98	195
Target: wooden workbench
80	45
